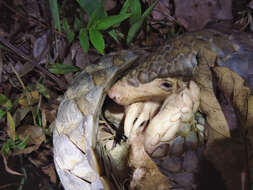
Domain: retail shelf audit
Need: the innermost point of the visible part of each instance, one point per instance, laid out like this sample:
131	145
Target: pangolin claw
177	109
138	116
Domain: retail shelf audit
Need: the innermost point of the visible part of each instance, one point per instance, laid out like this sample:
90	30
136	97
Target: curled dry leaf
233	86
227	154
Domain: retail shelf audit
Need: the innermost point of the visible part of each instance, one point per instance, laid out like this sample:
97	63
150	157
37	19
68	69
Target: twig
61	84
7	169
7	185
28	97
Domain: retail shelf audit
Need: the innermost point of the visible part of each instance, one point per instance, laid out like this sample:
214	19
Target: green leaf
55	14
123	10
11	124
43	90
89	5
135	7
65	25
77	24
2	113
11	143
109	21
68	31
97	14
137	25
38	117
23	143
84	39
125	7
133	30
148	10
113	34
62	68
70	36
97	40
3	99
5	149
5	102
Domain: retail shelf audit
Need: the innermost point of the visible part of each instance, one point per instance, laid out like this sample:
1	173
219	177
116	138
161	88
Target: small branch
61	84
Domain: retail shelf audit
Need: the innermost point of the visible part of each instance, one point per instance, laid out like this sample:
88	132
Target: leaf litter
33	46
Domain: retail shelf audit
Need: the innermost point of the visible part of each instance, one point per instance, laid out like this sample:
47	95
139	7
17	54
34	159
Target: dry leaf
34	95
50	171
27	150
40	46
162	15
195	14
225	152
210	106
233	86
36	135
20	114
12	128
250	5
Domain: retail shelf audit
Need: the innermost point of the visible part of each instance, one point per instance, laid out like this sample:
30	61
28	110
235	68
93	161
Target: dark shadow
209	177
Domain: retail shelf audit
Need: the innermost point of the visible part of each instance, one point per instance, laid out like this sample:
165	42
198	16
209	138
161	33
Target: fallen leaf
20	114
250	5
50	171
25	68
210	106
36	137
233	86
12	128
27	150
226	151
195	14
43	90
161	10
34	98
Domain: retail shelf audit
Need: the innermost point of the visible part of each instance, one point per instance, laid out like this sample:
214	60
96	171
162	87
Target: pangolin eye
166	85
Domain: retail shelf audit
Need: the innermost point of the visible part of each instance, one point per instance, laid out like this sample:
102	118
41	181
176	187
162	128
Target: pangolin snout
115	97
